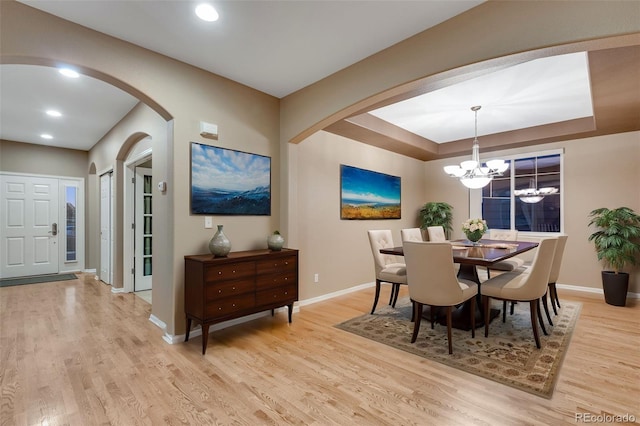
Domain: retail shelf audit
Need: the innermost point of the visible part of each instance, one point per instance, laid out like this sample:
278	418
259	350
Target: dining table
470	256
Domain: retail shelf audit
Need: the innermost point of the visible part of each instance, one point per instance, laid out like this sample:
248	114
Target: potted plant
436	213
617	243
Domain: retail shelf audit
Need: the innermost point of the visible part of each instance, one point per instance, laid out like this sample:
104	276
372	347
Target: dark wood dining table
470	256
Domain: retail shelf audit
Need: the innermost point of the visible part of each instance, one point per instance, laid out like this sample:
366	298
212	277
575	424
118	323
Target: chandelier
532	195
472	173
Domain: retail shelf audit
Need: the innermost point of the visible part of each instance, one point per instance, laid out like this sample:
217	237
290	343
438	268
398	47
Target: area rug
508	356
7	282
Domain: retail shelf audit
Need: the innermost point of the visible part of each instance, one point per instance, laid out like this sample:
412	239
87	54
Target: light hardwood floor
74	353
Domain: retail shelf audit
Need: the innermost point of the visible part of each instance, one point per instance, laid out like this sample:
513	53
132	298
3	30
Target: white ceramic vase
219	246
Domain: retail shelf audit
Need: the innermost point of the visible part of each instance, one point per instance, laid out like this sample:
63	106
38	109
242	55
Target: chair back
436	234
537	280
557	259
431	274
379	239
503	234
411	234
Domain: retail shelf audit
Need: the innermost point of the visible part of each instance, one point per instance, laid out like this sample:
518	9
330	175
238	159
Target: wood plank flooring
74	353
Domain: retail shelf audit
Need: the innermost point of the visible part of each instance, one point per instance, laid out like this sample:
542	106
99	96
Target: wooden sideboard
219	289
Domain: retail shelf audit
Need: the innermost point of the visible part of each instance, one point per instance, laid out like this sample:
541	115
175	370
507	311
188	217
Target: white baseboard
117	290
335	294
592	290
89	271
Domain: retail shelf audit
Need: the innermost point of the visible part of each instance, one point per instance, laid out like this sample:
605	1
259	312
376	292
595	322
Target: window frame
475	195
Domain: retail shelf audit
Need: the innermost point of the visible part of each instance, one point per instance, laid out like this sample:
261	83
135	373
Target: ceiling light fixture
471	172
532	195
68	72
206	12
46	136
54	113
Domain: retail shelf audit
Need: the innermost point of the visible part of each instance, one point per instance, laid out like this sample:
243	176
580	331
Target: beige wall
338	250
42	160
598	172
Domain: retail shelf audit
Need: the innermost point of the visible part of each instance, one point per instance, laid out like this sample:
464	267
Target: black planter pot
615	287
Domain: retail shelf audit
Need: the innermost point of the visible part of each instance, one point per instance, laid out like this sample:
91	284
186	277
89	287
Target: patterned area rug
508	356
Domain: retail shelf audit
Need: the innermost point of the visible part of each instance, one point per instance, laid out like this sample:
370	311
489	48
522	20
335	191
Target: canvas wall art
366	194
229	182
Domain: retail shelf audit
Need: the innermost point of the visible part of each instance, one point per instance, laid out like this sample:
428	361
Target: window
70	223
502	210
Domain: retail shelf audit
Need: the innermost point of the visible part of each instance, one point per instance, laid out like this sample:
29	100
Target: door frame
77	265
111	249
128	237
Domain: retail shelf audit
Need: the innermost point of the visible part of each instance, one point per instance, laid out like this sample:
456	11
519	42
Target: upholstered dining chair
520	286
432	281
411	234
510	264
553	277
436	234
387	267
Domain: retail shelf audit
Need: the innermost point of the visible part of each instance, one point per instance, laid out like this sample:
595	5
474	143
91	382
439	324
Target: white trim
592	290
157	321
117	290
89	271
336	294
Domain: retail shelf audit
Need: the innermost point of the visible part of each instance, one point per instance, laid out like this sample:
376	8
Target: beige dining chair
521	286
436	234
553	277
432	281
510	264
387	268
411	234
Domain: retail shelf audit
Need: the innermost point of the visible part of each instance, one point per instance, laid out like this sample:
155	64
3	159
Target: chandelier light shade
532	195
472	173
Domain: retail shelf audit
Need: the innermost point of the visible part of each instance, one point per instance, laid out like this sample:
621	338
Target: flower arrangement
474	229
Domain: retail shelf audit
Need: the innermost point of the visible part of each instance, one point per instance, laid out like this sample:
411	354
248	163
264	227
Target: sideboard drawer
229	271
264	282
285	263
228	289
229	305
277	295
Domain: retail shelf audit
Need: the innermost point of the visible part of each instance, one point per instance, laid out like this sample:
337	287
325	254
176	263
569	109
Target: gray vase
275	242
219	246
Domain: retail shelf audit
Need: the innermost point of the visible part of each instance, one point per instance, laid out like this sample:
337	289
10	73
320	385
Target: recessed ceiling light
68	72
54	113
46	136
206	12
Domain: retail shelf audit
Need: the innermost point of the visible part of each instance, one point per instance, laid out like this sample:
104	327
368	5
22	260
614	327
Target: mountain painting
368	195
229	182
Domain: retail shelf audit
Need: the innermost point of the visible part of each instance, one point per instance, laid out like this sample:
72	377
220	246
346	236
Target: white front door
29	228
106	228
143	229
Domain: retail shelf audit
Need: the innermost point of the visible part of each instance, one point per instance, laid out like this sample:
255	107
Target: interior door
143	230
106	228
29	228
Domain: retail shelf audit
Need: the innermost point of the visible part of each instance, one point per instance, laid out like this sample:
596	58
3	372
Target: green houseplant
435	213
617	243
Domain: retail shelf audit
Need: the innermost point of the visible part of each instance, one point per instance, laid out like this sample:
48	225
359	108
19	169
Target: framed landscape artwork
366	194
229	182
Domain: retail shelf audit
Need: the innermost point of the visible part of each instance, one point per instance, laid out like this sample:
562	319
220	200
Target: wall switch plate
316	278
208	222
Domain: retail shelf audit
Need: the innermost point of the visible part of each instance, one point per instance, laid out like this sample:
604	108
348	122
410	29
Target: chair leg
393	291
486	300
417	307
432	315
397	292
533	307
376	297
473	316
513	304
488	273
544	330
546	307
554	294
504	311
449	329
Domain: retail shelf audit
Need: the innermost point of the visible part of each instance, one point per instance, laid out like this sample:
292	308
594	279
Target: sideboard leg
186	339
205	337
290	305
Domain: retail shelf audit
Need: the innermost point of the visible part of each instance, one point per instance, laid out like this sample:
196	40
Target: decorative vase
275	241
219	246
474	237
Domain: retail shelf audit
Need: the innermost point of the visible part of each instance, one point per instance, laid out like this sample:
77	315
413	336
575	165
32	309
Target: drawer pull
219	291
219	272
233	288
286	292
285	278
